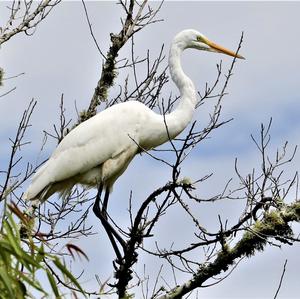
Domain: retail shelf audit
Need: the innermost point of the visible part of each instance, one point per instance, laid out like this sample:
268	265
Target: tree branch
131	25
273	224
29	19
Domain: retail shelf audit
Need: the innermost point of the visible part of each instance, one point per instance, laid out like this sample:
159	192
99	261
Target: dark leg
96	207
102	215
105	202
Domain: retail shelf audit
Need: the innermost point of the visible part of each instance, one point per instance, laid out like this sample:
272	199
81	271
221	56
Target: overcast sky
61	58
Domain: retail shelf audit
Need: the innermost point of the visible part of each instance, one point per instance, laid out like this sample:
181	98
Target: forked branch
25	16
134	22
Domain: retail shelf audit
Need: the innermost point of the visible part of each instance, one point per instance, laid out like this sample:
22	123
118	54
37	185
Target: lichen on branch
133	22
274	224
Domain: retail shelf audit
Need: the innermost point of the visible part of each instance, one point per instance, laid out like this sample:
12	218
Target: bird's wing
87	146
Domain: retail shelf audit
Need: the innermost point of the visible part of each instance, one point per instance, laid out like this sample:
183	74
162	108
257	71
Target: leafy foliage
23	265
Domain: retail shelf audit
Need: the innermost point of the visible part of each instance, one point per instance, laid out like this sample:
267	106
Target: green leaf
53	284
65	271
30	260
11	238
12	246
7	282
5	256
15	228
32	282
40	254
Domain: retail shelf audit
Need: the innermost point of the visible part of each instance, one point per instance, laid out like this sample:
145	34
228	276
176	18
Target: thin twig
281	279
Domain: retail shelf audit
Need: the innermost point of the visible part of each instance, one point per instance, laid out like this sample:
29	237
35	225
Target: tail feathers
39	197
64	189
66	192
40	181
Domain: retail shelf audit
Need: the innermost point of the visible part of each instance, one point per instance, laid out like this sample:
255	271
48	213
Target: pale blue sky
61	58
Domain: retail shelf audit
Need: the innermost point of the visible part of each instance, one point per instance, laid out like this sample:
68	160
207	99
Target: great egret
99	150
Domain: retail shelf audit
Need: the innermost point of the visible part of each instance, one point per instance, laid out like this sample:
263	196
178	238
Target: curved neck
179	118
182	115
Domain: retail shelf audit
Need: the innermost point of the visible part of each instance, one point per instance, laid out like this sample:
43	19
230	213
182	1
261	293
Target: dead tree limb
25	16
133	23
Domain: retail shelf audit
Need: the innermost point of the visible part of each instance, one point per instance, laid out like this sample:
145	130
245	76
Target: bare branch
281	279
24	19
17	143
91	30
131	25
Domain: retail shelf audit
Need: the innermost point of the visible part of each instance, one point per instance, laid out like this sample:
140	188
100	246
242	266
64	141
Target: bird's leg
102	215
96	207
105	202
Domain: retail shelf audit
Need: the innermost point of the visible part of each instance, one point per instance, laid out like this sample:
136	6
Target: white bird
98	151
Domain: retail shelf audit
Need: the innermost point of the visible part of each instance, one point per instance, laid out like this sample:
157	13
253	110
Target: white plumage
99	150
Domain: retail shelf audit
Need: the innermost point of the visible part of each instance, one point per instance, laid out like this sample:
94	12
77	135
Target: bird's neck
182	115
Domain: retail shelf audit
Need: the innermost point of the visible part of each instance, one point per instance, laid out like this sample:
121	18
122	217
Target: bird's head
193	39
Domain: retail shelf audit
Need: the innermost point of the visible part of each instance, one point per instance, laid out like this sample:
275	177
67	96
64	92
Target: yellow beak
223	50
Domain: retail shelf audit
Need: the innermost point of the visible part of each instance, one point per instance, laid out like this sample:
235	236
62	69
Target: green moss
128	296
292	212
272	225
224	258
185	181
83	115
258	226
273	220
280	202
252	241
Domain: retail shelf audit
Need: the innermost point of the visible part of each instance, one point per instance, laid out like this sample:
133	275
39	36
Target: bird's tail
65	191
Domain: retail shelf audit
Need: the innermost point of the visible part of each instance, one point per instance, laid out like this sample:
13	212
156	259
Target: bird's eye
200	38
